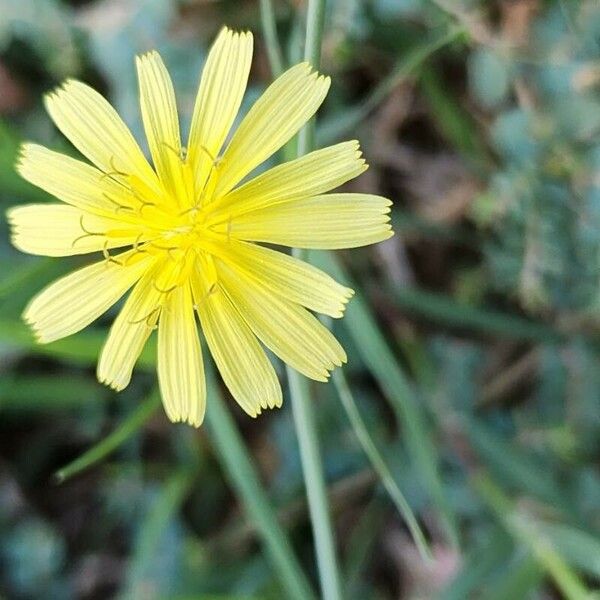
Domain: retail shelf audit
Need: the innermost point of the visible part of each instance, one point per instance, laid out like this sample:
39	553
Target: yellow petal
288	277
96	130
309	175
331	222
62	230
161	123
222	87
287	104
289	330
242	362
75	182
180	369
74	301
129	333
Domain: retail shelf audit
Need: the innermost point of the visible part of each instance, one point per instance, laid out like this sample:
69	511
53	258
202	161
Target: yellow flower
189	227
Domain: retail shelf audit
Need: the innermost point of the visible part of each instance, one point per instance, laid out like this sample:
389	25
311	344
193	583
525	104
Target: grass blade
376	459
269	28
446	311
112	441
81	349
335	128
579	548
163	509
486	556
243	476
521	579
525	531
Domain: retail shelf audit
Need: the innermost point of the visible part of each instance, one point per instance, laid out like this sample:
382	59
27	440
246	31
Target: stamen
181	155
169	249
116	203
136	244
213	289
149	318
114	171
143	203
214	165
86	233
160	290
196	207
209	154
108	257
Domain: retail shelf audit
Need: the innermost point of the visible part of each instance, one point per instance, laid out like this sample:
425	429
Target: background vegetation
473	378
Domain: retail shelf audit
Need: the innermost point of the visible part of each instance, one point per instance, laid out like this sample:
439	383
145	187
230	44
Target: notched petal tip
51	96
230	33
113	385
10	214
56	96
23	156
193	420
268	405
148	55
36	332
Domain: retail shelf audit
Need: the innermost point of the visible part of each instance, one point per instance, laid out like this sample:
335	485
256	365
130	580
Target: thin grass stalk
304	417
269	29
379	464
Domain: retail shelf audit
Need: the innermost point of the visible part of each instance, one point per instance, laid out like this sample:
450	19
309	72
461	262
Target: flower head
188	226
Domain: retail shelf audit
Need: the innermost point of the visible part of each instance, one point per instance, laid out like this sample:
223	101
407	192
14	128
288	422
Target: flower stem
304	417
267	18
315	20
316	491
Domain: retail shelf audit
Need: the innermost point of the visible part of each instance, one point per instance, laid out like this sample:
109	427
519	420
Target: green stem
269	28
315	20
316	491
244	478
304	417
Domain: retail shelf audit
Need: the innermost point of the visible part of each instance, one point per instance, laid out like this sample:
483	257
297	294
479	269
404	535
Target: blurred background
473	341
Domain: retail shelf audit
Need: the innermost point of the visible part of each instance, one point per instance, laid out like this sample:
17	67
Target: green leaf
519	580
579	548
81	349
336	127
526	532
163	510
485	556
514	467
446	311
45	392
237	462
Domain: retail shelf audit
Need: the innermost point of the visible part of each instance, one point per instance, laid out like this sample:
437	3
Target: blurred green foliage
472	341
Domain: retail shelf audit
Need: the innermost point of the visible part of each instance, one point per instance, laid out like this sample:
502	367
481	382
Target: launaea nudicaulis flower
189	225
